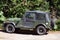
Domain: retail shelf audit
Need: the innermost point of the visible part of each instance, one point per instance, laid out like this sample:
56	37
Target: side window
40	16
30	16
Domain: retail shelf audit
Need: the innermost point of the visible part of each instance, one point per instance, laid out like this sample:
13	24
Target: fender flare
4	24
42	25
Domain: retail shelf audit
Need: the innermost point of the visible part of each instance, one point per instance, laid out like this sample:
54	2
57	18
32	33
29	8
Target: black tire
41	30
10	28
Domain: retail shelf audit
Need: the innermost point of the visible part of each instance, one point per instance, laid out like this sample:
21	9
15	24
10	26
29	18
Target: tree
16	8
23	5
54	7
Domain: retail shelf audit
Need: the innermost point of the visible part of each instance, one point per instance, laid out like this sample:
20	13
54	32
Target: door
29	20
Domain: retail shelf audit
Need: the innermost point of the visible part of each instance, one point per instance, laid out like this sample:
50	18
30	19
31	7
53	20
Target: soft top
38	12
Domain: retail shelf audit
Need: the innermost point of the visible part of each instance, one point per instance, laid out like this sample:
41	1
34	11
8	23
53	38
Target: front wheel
10	28
40	30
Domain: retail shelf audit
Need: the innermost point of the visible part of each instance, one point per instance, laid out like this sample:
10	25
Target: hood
14	19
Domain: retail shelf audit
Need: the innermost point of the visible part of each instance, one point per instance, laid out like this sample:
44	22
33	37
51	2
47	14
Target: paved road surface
29	36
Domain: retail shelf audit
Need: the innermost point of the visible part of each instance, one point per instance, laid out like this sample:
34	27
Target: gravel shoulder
52	35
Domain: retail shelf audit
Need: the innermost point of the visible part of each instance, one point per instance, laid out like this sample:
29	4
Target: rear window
40	16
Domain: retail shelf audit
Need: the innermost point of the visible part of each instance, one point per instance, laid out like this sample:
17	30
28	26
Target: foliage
16	8
54	7
58	24
2	18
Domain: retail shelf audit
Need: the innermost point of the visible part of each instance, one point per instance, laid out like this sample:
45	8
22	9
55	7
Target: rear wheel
40	30
10	28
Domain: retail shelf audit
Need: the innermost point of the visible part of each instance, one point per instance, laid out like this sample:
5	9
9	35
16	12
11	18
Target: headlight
47	23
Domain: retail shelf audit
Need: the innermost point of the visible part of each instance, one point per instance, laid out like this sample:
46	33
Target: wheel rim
41	30
10	28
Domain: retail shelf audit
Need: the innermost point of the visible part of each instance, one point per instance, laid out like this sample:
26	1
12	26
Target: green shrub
2	18
58	24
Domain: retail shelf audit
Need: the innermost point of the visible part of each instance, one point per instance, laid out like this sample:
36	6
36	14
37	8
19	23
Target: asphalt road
29	36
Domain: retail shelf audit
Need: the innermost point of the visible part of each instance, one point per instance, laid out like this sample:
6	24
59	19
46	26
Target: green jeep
37	21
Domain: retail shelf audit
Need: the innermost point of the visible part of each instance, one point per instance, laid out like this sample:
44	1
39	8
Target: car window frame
31	20
39	18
